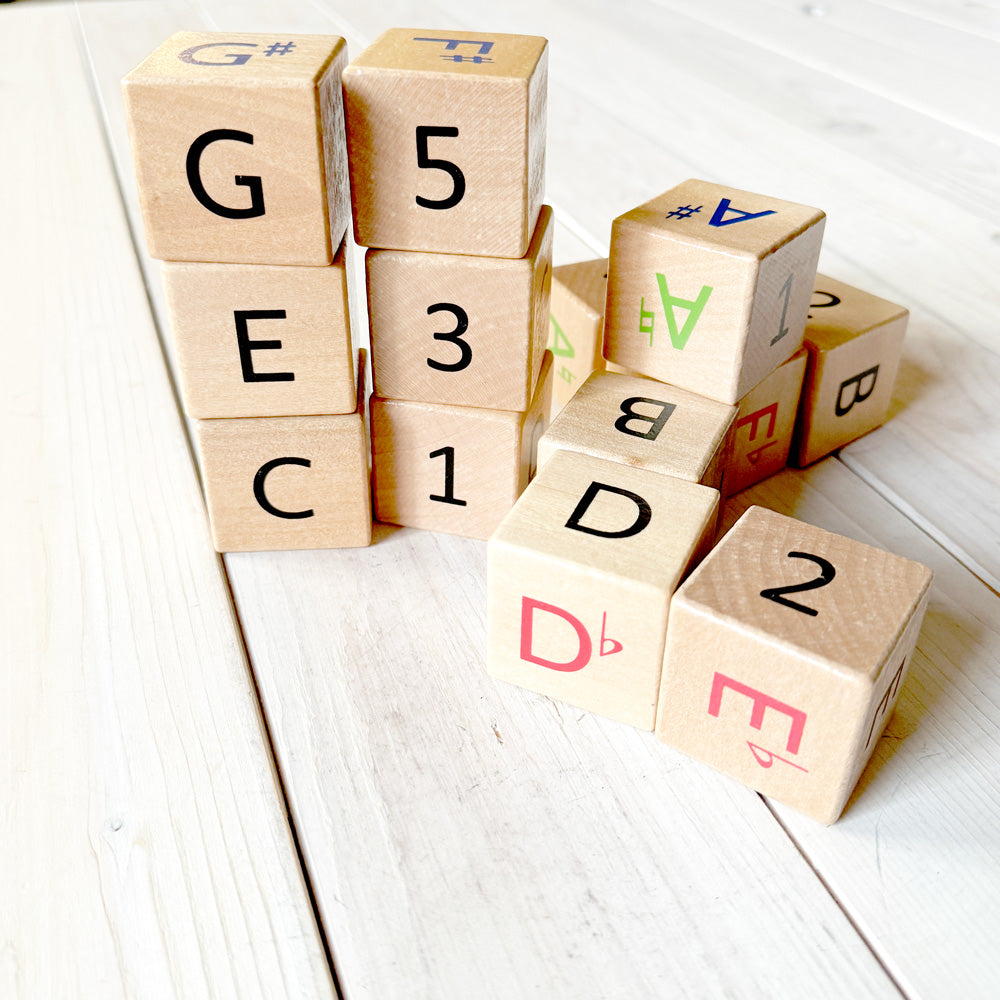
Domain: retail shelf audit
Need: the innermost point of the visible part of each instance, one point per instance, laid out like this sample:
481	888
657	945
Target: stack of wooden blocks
446	140
240	156
709	291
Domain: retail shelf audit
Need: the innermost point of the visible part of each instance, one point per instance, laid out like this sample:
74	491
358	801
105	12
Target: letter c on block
258	487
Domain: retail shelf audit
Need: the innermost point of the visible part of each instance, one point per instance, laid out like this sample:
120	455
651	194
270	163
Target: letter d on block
584	645
642	518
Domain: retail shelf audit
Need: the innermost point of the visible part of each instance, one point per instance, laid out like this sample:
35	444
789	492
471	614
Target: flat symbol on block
451	44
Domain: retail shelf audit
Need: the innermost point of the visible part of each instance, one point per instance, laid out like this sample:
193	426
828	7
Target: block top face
643	423
721	218
650	546
238	59
839	312
452	53
851	601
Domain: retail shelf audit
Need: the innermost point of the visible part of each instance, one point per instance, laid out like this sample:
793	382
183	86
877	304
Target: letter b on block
580	575
239	147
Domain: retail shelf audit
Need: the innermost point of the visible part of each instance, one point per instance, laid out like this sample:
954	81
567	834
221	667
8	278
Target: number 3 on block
426	162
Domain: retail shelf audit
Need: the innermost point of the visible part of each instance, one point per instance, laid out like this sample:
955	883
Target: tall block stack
240	155
446	135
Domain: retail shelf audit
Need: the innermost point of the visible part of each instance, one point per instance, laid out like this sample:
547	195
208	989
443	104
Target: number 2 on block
426	162
777	594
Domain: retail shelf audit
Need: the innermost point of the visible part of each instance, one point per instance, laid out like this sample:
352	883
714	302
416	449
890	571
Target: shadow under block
456	469
785	655
287	482
709	287
579	292
579	581
239	147
262	340
646	424
446	134
761	435
855	343
451	328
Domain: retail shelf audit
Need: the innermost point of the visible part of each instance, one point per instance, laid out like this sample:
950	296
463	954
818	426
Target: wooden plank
147	845
913	860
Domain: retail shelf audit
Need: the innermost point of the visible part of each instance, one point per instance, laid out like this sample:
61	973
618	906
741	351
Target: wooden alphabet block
579	292
579	580
761	435
452	328
786	651
446	133
262	340
855	342
239	147
709	287
287	482
456	469
646	424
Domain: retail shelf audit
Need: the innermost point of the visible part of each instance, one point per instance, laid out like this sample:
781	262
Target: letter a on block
679	336
584	645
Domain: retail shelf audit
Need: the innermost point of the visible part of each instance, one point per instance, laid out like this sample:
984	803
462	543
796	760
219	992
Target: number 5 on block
446	136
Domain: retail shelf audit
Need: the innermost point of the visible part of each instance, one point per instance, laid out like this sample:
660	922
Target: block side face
334	148
643	423
479	127
565	632
230	174
861	595
676	312
780	304
850	388
286	482
587	281
261	340
761	435
444	468
758	712
577	326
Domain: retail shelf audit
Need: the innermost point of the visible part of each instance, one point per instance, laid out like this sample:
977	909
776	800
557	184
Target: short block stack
446	137
238	143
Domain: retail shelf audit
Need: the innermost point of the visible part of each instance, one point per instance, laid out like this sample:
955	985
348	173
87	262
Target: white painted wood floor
399	817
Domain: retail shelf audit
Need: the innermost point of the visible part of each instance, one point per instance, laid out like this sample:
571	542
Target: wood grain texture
258	340
483	98
580	577
147	851
210	116
579	292
646	424
709	286
455	328
786	653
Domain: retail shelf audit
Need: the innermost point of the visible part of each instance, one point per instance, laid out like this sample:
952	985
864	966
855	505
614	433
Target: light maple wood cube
579	292
452	328
446	133
580	577
785	655
262	340
709	287
456	469
761	434
239	147
855	343
643	423
287	482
